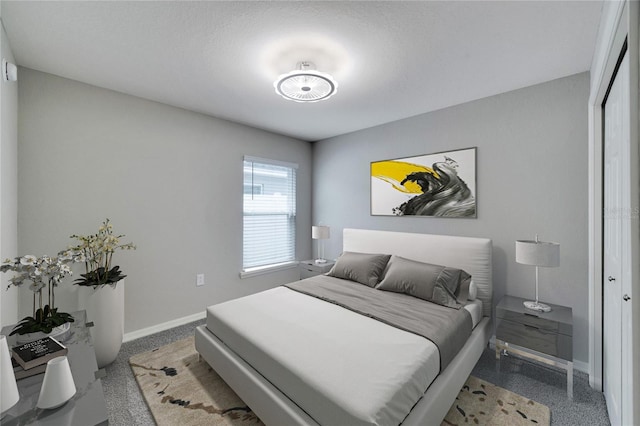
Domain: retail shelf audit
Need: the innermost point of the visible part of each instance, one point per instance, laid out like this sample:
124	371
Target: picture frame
442	184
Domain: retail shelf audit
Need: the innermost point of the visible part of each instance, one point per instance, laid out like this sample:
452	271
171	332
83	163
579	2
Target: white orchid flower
28	260
66	255
17	280
36	286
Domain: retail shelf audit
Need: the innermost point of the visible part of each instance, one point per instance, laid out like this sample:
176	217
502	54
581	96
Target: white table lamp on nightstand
9	395
320	233
537	253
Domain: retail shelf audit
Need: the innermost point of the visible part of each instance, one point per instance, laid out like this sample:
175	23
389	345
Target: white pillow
473	291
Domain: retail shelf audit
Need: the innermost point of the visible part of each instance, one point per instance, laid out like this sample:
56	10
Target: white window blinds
269	212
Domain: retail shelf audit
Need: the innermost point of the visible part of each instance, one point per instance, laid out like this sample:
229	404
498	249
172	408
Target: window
269	233
252	189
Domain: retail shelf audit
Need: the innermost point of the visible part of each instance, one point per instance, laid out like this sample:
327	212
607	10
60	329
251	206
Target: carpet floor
126	404
180	388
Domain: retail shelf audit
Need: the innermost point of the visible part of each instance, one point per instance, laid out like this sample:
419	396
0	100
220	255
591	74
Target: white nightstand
309	268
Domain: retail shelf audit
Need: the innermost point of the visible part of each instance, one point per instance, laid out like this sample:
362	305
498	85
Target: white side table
87	407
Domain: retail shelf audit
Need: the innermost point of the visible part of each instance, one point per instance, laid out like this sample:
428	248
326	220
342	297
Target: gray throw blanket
446	327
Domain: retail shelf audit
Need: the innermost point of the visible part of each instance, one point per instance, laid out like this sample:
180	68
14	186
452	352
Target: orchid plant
40	273
98	250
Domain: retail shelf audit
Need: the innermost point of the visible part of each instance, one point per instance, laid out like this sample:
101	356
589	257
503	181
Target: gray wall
531	178
170	179
8	185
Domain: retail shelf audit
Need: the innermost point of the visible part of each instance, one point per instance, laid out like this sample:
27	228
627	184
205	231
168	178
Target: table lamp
9	395
538	254
320	233
57	386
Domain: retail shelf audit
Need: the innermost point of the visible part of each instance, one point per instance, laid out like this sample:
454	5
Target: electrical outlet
199	280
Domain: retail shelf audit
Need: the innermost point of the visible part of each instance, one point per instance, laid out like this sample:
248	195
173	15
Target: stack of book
31	358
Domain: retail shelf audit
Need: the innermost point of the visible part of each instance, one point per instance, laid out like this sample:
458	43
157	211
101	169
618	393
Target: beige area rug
483	403
182	390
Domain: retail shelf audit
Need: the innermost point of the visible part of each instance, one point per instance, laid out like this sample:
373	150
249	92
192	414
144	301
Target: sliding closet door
616	238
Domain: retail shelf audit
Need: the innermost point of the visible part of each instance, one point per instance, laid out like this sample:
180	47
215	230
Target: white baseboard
581	366
164	326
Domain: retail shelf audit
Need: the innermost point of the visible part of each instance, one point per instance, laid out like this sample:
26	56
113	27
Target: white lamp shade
9	395
538	253
58	386
320	232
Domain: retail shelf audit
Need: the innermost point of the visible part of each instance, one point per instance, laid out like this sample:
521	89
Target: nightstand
309	268
545	337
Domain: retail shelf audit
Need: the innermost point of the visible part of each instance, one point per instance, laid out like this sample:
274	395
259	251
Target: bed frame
471	254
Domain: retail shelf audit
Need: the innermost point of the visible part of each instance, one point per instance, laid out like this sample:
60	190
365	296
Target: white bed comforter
306	348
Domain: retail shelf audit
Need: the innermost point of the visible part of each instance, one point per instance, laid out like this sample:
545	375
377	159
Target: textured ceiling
391	59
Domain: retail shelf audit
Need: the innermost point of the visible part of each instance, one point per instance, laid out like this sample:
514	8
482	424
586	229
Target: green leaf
100	277
45	325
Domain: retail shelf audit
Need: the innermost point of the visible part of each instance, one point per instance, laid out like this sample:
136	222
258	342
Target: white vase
105	308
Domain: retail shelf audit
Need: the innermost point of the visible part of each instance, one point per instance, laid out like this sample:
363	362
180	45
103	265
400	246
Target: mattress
475	309
342	368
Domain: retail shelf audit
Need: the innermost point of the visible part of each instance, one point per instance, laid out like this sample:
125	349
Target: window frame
271	267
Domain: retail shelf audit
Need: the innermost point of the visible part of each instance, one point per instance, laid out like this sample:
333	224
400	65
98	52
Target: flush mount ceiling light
305	84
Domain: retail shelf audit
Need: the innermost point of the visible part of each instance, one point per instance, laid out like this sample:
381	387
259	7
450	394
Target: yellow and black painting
442	184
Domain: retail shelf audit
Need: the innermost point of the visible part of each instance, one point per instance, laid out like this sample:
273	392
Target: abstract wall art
440	185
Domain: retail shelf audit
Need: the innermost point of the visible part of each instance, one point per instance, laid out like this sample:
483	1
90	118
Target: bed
297	360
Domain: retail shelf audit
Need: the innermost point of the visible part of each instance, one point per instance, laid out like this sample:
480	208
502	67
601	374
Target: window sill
260	270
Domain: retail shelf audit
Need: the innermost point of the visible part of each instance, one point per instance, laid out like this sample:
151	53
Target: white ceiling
391	59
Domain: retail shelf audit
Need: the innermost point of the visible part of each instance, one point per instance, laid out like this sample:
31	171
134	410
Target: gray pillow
363	268
435	283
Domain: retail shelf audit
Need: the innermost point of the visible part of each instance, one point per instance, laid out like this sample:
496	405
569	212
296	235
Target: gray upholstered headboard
470	254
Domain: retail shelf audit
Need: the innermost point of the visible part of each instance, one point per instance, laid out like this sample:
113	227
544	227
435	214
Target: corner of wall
8	183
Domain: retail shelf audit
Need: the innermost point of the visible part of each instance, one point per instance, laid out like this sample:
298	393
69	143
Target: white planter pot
105	308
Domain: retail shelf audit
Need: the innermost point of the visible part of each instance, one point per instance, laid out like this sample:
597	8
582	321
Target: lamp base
537	306
321	260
